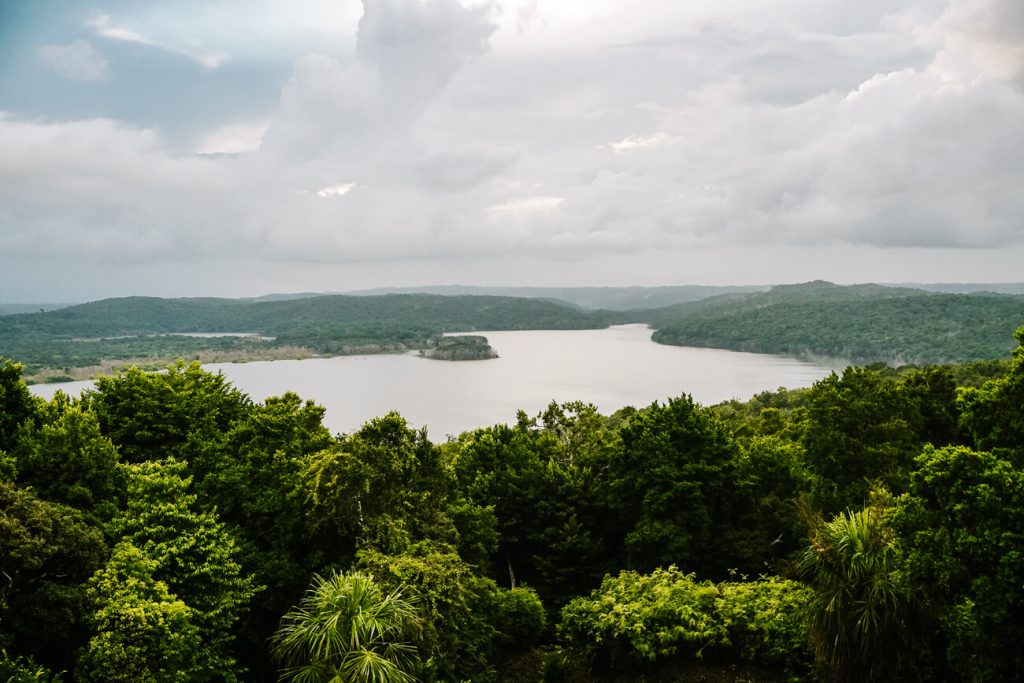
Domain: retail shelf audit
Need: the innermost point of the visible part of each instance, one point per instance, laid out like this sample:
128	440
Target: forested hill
593	298
150	315
140	328
858	323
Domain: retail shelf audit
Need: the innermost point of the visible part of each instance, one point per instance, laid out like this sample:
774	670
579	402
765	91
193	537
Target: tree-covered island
461	347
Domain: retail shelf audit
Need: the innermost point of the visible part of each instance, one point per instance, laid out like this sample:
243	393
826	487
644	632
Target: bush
635	619
518	618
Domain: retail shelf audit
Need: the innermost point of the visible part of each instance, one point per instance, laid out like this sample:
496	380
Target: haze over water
612	368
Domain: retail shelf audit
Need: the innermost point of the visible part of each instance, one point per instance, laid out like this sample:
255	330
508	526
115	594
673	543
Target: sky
241	147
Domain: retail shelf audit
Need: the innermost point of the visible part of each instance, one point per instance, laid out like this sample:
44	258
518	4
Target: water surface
612	368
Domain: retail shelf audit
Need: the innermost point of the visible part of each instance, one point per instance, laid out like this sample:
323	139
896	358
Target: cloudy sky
241	147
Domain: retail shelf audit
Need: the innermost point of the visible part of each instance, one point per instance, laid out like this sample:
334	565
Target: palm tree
858	609
347	630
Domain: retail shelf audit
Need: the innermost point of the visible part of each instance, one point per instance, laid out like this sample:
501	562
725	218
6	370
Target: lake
611	368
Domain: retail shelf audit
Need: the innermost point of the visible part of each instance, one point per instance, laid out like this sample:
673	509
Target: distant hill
14	309
858	323
135	328
592	298
969	287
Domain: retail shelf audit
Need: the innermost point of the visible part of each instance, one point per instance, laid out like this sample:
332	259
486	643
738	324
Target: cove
611	368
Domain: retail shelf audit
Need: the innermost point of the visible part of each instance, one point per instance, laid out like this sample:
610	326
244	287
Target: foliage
963	528
859	609
47	551
193	553
382	487
545	480
172	413
633	619
16	404
142	631
770	474
23	670
993	415
263	455
857	432
673	486
452	602
859	323
68	460
519	618
347	629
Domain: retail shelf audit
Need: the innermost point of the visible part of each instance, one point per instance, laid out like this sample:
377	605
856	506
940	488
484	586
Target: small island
465	347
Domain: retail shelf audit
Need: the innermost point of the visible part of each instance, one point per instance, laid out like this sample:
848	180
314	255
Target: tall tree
194	555
47	552
16	404
993	414
67	459
857	433
142	633
673	487
177	413
962	524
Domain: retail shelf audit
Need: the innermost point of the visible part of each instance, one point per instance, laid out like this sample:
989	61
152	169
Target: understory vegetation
165	527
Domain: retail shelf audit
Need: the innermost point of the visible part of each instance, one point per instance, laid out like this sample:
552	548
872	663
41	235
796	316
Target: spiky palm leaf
347	630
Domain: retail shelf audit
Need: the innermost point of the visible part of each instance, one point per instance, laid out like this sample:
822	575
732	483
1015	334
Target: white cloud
75	61
632	142
525	206
234	138
103	28
337	190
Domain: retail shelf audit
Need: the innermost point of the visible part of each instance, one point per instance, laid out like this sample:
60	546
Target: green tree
770	474
348	630
23	670
142	632
545	479
859	609
455	606
857	432
178	413
193	554
962	522
993	414
383	486
47	552
674	487
67	459
16	404
263	455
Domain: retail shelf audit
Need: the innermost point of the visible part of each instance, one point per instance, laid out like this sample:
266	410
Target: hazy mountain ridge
593	298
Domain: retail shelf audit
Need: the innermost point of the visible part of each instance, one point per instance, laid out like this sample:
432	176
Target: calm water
611	368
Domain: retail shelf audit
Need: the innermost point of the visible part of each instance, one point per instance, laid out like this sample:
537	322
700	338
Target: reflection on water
611	368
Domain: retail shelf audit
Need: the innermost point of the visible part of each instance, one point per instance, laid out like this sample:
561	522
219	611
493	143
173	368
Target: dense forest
165	527
149	331
858	324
